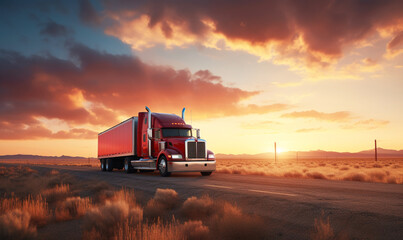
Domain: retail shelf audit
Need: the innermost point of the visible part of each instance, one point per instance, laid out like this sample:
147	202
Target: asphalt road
356	210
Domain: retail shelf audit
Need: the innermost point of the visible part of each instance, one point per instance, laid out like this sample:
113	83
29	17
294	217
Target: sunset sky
307	74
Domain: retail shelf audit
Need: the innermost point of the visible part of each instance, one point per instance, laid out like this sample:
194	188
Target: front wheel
163	167
128	166
206	173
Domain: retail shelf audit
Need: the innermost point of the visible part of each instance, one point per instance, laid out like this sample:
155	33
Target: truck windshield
176	132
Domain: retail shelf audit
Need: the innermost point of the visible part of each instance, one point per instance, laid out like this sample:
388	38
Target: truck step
144	164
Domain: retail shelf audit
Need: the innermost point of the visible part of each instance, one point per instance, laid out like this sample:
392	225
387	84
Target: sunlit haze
320	75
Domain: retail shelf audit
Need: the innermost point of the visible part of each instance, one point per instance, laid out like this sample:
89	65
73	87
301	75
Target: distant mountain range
382	153
24	156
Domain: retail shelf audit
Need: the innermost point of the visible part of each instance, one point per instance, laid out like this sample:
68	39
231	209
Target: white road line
217	186
269	192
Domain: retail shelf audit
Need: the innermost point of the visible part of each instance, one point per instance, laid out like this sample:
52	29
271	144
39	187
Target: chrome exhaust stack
183	114
149	132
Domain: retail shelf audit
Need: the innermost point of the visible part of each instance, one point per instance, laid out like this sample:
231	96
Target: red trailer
155	141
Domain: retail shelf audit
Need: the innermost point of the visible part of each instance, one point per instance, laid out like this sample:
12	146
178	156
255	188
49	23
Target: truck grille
196	149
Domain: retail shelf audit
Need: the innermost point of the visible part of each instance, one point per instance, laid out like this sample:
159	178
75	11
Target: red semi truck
155	141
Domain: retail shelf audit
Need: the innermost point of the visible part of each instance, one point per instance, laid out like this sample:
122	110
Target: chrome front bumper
192	166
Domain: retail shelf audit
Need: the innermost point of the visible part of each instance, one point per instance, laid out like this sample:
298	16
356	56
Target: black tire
103	168
108	165
128	166
206	173
163	166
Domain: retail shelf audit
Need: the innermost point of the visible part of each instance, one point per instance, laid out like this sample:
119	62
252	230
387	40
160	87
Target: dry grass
202	218
353	169
104	220
72	207
57	193
366	170
149	231
35	206
109	214
323	229
15	224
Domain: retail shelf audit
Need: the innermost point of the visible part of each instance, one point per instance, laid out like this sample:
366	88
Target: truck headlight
211	156
177	156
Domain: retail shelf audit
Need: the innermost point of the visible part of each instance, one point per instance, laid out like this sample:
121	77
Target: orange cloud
395	46
102	88
296	33
333	117
367	124
10	131
259	125
305	130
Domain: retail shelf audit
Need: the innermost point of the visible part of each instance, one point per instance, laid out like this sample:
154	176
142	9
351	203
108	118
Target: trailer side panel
119	140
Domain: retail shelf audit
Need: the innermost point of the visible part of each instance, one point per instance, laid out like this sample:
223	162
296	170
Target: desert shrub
197	208
72	207
57	193
293	174
163	201
315	175
105	220
194	230
15	224
391	179
376	165
231	223
223	220
377	176
355	177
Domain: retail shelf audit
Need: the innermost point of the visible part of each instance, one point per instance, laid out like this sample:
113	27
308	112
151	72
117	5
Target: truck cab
169	140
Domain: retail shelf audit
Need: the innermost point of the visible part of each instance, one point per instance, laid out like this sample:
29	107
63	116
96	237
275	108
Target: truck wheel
108	165
163	167
128	166
206	173
103	165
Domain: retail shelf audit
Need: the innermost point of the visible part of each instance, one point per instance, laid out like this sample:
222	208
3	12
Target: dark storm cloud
87	13
54	29
326	26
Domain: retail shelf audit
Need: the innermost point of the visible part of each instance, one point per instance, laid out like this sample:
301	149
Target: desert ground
385	170
73	201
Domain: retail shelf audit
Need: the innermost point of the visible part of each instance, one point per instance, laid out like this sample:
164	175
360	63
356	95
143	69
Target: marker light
177	156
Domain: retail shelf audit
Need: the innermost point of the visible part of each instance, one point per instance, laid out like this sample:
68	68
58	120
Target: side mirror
150	133
198	133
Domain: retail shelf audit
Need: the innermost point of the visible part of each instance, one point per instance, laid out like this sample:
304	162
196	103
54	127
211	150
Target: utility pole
376	152
275	153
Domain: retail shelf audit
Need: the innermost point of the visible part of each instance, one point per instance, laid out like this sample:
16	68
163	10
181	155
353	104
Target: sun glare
281	150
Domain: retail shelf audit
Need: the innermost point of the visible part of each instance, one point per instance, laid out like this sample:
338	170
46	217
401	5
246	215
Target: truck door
144	137
155	141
